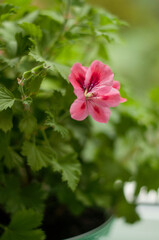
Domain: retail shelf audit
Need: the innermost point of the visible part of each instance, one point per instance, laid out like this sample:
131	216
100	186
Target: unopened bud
37	69
20	82
27	74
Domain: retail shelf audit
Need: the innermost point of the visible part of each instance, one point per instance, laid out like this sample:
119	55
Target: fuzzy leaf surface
6	98
23	226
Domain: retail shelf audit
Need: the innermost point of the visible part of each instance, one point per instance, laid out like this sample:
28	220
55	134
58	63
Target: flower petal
78	110
77	76
100	114
98	75
111	99
116	85
122	100
79	93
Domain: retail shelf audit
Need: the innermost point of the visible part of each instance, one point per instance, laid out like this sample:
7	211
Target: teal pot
96	234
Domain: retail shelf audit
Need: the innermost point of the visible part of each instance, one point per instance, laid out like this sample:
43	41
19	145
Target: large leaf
9	62
12	159
37	156
6	98
15	197
23	226
28	124
70	169
53	15
9	193
50	121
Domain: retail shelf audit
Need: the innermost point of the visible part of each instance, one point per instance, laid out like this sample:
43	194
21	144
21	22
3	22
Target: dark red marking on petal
93	81
83	106
105	97
96	109
81	80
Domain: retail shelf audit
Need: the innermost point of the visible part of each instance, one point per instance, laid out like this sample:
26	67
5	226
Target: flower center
88	94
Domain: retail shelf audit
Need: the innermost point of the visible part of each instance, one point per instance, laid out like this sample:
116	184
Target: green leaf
70	169
6	120
15	197
32	30
33	196
37	156
23	44
10	194
12	159
53	15
6	9
6	98
8	32
34	52
28	124
32	79
127	210
20	3
9	62
62	70
23	226
50	121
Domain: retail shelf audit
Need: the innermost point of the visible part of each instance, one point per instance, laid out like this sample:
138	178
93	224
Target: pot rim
92	231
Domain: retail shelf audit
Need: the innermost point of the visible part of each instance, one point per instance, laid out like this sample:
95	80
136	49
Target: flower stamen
88	94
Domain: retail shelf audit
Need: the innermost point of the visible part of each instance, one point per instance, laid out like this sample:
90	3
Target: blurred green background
128	144
134	58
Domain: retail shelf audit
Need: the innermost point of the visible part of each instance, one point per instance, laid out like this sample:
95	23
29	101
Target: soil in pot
60	224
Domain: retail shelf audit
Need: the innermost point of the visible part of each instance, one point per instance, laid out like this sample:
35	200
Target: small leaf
32	30
23	44
23	226
6	120
6	9
37	156
6	98
70	169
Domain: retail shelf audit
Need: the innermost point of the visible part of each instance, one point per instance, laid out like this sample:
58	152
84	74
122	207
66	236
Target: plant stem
2	226
62	31
44	136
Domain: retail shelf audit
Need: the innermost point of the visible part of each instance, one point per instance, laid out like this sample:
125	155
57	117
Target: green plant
47	158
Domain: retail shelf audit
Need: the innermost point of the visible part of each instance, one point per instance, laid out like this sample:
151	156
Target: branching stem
62	31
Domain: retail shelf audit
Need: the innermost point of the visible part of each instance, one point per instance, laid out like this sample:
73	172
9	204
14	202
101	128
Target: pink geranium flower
96	91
